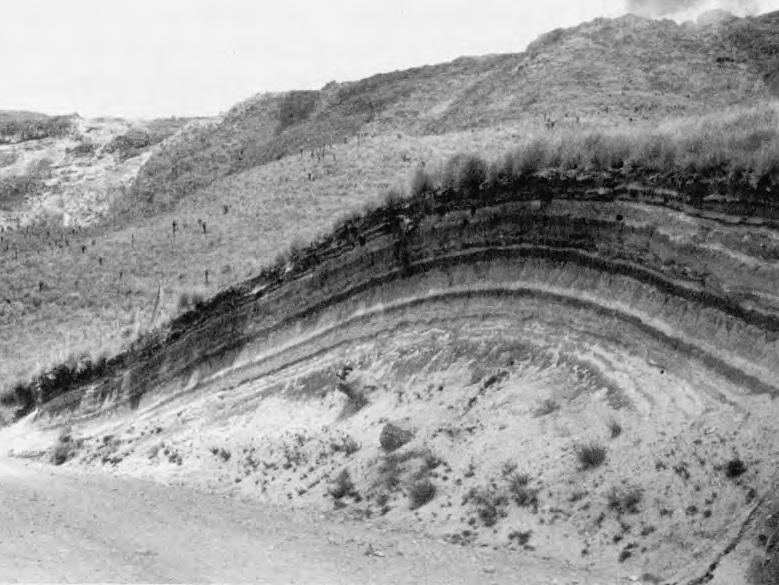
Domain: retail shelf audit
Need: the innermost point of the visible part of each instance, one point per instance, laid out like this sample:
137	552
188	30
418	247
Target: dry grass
733	151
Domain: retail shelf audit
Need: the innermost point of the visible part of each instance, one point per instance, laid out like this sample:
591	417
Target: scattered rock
393	437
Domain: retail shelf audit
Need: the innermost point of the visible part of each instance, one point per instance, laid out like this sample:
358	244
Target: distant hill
625	70
20	126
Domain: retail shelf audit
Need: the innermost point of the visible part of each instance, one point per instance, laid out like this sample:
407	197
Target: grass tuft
591	455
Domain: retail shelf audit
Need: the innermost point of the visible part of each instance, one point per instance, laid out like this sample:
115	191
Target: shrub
393	437
84	148
131	143
355	396
346	445
421	182
62	452
591	455
548	406
526	161
735	468
522	494
21	398
393	198
420	493
432	461
189	300
464	173
521	537
33	127
64	449
473	173
625	501
615	429
14	189
489	502
343	486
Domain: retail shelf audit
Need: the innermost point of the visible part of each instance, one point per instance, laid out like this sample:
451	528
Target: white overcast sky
144	58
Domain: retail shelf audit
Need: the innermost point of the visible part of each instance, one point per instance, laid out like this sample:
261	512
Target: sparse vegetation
489	502
356	398
521	492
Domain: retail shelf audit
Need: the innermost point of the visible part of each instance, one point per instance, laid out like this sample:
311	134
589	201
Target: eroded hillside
570	366
68	170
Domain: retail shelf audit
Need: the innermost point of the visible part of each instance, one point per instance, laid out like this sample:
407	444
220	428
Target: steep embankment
503	335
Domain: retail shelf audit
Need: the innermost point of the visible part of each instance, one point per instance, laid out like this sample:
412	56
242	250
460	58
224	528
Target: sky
153	58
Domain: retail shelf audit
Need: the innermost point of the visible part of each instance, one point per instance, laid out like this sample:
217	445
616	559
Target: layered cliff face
513	339
282	167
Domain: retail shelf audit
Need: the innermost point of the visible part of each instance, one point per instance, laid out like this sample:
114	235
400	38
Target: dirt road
66	525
